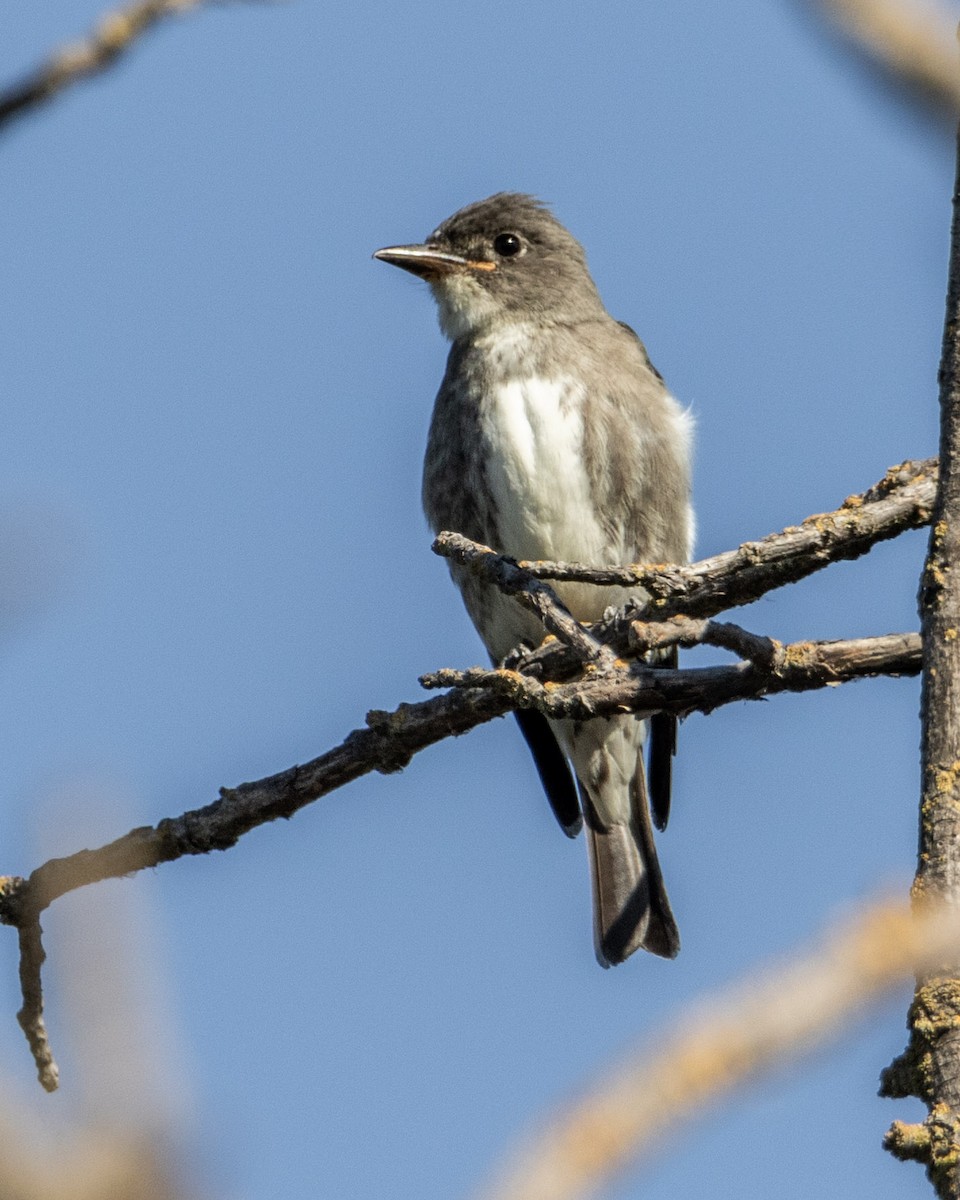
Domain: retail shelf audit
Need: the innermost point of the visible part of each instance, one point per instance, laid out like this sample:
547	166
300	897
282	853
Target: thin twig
687	631
721	1045
632	639
115	34
527	589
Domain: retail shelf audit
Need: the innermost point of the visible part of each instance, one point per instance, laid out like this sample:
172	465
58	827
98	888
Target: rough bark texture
930	1067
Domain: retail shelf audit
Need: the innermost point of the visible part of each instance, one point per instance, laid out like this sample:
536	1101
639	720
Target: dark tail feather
630	906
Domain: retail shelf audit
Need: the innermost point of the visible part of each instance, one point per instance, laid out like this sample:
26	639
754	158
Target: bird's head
503	260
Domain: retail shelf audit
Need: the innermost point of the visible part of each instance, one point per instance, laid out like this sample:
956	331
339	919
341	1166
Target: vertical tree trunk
930	1066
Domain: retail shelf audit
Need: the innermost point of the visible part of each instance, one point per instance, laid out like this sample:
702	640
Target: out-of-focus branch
913	43
930	1068
123	1134
115	34
723	1044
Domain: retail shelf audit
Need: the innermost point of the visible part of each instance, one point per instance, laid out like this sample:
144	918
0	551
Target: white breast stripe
533	428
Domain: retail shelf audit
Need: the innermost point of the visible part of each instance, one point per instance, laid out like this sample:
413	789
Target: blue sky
215	408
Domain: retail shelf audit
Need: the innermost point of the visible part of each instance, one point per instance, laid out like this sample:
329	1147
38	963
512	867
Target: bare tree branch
724	1043
913	43
902	500
122	1133
114	35
799	667
930	1068
30	1015
392	738
554	679
388	743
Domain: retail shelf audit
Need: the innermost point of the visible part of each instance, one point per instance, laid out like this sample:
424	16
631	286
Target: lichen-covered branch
390	739
115	34
726	1042
799	667
902	500
930	1068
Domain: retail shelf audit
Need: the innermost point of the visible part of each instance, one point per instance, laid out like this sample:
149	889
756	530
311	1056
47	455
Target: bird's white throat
463	305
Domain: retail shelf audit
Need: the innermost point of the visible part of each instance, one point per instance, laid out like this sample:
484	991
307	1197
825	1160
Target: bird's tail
630	905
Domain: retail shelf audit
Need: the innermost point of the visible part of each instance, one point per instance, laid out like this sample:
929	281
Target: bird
554	437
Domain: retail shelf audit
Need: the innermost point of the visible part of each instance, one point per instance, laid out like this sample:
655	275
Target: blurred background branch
726	1042
114	35
912	47
123	1130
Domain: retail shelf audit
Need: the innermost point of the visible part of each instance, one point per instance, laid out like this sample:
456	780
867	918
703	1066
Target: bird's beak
429	262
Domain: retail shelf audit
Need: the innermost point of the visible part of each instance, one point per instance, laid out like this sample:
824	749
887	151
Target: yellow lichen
798	654
945	778
510	676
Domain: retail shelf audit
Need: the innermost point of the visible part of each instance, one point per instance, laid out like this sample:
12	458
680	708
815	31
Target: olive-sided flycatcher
553	437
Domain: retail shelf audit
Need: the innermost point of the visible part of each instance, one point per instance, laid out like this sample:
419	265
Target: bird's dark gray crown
503	212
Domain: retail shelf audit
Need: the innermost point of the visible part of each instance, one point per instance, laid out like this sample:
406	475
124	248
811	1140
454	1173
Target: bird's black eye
507	245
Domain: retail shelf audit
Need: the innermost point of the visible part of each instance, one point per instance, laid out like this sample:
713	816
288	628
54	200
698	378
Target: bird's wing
553	768
663	746
636	337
